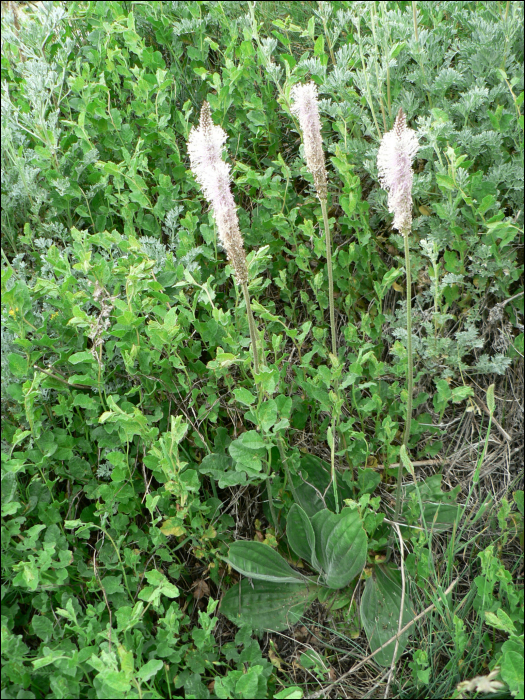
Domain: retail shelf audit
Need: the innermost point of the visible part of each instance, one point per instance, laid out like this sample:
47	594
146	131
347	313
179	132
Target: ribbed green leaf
266	605
380	607
340	545
301	535
259	561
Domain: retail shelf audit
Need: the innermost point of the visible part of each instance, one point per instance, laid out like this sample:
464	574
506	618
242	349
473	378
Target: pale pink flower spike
307	110
205	144
394	163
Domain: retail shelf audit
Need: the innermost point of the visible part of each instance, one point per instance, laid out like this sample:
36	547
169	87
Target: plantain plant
274	596
334	545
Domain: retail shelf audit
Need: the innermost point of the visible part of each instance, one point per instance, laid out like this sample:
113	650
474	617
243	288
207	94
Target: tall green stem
414	16
410	374
251	323
331	440
410	368
379	85
364	68
386	54
330	276
335	419
270	495
282	452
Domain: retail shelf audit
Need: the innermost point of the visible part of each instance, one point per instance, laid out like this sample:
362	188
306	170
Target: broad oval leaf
340	546
259	561
266	605
380	607
301	535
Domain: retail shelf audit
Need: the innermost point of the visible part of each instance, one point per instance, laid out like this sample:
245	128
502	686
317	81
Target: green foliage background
135	445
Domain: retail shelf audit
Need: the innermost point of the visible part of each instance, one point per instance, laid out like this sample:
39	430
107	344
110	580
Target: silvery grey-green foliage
188	26
314	66
172	223
104	470
497	364
155	250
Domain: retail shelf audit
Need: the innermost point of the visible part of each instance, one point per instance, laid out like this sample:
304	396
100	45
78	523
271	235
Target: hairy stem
330	276
282	452
350	465
414	15
386	53
365	73
270	497
251	323
410	375
334	337
379	85
332	461
410	370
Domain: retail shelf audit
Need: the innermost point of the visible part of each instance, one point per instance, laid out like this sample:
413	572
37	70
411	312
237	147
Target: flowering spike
205	144
306	108
394	163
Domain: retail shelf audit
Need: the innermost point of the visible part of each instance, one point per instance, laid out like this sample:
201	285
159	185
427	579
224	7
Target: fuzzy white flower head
394	163
306	107
205	144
